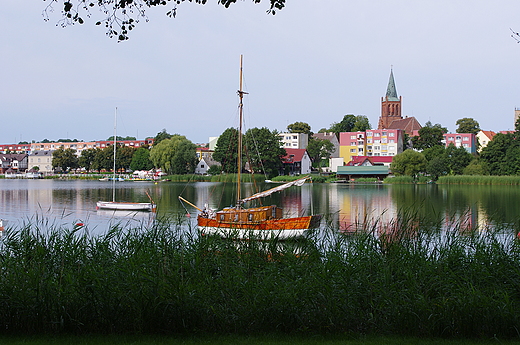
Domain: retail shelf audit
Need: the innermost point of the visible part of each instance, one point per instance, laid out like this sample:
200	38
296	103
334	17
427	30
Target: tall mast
240	107
114	167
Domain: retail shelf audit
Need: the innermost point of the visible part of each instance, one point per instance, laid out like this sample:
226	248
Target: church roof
391	91
408	125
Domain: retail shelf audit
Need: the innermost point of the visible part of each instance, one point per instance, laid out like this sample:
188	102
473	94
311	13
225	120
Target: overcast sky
314	61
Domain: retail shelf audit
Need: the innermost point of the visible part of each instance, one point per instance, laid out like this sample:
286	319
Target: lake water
68	202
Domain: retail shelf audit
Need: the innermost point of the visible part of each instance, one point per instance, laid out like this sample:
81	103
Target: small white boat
118	205
126	206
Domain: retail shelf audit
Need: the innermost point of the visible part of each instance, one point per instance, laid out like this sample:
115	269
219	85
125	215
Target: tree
318	149
65	159
409	163
104	159
345	125
428	137
124	156
457	158
264	150
438	166
467	125
141	159
161	136
176	155
502	155
476	167
120	16
86	159
299	127
226	150
361	124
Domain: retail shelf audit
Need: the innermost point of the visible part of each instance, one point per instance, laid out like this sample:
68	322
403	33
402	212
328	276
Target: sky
314	61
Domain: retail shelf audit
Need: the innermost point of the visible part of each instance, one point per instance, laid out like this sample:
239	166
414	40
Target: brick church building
391	112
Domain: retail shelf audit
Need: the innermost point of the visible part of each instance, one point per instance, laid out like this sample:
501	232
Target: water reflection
348	207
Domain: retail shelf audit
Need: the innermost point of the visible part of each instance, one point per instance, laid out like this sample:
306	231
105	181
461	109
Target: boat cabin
256	214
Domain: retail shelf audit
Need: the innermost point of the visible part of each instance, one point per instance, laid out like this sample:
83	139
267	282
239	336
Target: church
391	112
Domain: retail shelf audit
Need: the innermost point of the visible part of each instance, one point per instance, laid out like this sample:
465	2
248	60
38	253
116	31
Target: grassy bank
472	179
163	280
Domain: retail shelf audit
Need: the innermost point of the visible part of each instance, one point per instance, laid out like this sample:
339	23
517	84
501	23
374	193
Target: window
352	143
352	150
377	141
450	138
295	137
360	149
391	141
376	134
369	141
369	134
352	137
384	140
391	134
384	133
391	148
465	139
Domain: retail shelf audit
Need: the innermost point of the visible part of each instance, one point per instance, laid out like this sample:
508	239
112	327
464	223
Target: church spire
391	91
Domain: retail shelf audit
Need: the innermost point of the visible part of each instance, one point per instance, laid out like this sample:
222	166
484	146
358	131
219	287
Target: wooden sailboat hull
282	228
127	206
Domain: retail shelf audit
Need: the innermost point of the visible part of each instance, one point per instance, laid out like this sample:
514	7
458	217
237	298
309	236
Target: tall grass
392	278
475	179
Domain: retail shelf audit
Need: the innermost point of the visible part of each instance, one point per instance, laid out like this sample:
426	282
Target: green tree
409	163
467	125
161	136
318	149
299	127
226	150
86	159
476	167
436	167
502	155
264	150
345	125
428	137
65	159
361	124
141	159
104	159
124	156
176	155
121	16
457	158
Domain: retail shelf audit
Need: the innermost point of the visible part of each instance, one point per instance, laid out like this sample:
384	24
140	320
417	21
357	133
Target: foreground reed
167	279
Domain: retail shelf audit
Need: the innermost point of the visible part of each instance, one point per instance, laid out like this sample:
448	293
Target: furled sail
298	183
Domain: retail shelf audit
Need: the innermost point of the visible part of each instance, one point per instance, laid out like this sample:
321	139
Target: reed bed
385	279
484	180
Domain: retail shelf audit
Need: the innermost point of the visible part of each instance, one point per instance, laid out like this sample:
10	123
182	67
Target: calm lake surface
65	202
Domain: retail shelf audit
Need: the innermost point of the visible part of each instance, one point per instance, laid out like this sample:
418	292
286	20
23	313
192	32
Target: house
42	160
15	161
296	162
466	140
370	161
365	169
483	138
294	140
204	164
373	143
330	136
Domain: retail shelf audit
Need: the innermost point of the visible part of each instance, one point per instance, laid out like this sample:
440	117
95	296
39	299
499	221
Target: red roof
293	155
357	160
408	125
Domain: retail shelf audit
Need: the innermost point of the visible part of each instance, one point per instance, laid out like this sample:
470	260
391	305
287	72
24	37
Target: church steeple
390	104
391	91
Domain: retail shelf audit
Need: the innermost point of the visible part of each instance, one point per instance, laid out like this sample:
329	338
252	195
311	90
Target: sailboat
255	222
123	206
